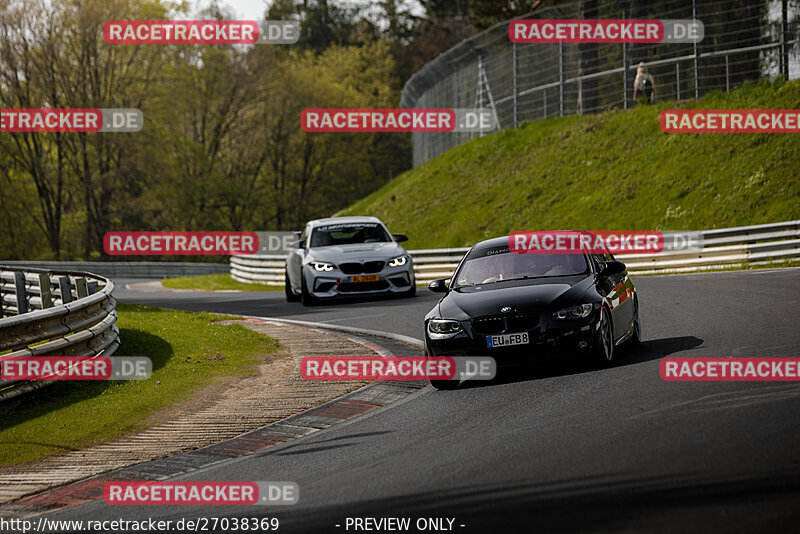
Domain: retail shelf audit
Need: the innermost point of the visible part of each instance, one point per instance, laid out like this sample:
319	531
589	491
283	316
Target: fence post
544	103
784	38
21	292
624	76
560	79
515	88
677	81
45	290
727	74
624	66
696	66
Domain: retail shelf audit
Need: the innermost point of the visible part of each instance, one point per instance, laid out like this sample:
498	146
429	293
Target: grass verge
189	351
219	281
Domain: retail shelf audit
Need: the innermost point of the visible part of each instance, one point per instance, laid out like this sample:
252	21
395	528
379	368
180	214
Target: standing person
644	84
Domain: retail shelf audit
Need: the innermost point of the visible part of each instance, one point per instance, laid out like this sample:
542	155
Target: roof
336	220
494	242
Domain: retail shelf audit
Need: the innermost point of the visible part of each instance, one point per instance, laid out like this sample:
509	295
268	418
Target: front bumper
333	284
549	339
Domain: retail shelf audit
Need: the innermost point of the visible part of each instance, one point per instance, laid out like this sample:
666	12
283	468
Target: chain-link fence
744	40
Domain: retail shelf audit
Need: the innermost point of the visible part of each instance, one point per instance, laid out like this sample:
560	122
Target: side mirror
438	286
400	237
611	268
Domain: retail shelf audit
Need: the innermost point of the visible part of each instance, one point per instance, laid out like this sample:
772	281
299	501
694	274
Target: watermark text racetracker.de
730	121
389	120
730	369
75	368
606	31
212	493
201	32
361	368
42	120
180	243
602	242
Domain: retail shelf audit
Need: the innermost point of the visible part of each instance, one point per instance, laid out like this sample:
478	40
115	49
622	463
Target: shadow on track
653	349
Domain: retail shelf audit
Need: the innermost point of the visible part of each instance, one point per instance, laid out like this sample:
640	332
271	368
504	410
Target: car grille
498	324
522	321
363	286
361	268
488	325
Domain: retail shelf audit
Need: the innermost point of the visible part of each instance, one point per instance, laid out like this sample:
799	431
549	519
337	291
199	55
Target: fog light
582	345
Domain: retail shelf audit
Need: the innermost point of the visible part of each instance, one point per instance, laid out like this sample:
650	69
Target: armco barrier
54	313
721	247
128	269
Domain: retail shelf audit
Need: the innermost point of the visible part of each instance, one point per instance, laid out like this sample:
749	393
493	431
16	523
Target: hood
521	296
368	251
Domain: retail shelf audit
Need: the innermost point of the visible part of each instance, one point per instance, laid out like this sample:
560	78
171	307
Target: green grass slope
614	171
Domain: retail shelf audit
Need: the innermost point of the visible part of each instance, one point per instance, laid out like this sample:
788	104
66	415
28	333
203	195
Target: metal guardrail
721	247
63	313
128	269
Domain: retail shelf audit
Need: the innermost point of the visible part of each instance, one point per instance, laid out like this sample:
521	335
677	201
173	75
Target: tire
604	345
636	337
305	296
440	385
290	296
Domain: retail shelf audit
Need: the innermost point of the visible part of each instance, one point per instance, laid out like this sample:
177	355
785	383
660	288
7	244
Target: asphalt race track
566	448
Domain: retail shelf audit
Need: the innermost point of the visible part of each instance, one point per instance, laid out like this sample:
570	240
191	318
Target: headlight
574	312
398	262
443	326
319	266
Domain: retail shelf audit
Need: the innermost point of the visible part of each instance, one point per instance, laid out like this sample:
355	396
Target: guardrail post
45	290
91	286
81	288
21	292
65	286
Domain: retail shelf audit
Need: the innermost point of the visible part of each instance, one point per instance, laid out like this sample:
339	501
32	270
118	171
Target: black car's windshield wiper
526	277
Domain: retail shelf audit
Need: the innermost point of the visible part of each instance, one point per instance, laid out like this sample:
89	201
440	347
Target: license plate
364	278
507	340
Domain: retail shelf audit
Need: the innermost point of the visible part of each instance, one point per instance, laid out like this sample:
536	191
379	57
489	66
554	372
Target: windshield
348	234
495	265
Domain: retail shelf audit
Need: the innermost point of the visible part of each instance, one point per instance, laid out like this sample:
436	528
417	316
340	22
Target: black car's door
618	289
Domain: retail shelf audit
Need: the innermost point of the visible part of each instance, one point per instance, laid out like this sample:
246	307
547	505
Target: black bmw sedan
527	308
